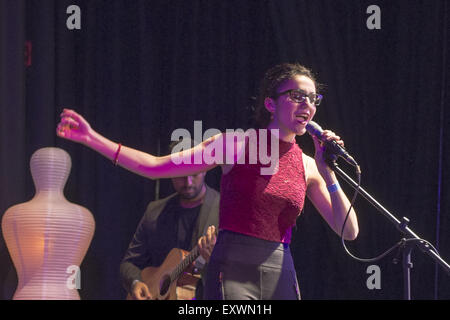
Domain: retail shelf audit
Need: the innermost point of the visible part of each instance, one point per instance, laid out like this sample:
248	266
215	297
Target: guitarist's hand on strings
207	242
140	291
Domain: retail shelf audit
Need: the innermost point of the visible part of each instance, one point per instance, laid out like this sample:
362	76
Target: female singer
251	258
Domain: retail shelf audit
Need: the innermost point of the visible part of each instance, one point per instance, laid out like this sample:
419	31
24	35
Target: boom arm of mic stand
401	225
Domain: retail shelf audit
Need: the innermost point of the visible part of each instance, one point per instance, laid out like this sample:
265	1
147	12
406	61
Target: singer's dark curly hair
269	85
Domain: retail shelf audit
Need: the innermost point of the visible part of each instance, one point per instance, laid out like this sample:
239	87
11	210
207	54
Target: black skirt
247	268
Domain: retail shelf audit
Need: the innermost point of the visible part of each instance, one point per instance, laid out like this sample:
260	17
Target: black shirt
180	223
153	240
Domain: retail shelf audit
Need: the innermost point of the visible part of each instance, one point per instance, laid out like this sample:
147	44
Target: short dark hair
272	80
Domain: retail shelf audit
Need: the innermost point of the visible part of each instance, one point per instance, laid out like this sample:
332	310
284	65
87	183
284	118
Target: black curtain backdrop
138	70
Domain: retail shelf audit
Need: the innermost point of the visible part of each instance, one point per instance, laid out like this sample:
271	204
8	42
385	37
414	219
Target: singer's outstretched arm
75	128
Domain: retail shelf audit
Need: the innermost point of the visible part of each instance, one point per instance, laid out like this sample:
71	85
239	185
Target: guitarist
177	221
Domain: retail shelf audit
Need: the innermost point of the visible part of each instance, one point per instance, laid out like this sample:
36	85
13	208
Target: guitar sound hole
165	284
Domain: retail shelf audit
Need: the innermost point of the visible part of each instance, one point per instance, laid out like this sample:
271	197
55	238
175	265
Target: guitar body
159	283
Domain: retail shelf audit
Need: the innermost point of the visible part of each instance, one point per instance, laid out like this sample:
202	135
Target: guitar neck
185	263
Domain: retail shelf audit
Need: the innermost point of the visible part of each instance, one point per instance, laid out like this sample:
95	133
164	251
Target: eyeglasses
299	96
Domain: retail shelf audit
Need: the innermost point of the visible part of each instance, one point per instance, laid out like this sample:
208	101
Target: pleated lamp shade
48	236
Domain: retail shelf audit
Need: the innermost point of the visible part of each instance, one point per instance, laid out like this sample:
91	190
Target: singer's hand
73	127
320	148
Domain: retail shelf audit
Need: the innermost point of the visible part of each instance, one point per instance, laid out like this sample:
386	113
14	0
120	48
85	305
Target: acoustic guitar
174	279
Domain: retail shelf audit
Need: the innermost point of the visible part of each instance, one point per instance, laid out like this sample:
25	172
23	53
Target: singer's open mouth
302	117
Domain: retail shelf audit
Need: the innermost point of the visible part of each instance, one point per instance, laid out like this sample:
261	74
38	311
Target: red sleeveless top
264	206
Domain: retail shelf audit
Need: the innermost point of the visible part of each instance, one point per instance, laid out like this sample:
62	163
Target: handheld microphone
332	146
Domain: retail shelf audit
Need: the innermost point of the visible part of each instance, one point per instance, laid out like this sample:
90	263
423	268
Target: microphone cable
399	244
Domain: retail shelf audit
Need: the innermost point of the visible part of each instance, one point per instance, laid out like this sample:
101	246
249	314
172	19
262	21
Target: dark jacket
147	248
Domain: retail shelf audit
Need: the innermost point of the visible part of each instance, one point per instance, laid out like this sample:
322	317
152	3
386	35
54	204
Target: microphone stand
402	225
